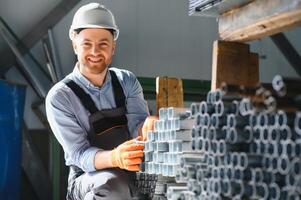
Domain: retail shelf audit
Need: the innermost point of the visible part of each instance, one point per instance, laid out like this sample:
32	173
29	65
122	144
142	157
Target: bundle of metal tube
244	149
170	140
146	184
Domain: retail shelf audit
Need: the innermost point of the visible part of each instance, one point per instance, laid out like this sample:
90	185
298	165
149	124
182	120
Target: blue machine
12	98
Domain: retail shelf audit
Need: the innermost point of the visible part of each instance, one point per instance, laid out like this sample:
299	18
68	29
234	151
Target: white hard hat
93	15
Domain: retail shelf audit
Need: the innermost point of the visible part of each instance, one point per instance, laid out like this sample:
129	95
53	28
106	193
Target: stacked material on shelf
212	8
171	138
245	146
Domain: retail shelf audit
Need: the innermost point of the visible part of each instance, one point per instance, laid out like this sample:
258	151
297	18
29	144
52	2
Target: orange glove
148	126
128	155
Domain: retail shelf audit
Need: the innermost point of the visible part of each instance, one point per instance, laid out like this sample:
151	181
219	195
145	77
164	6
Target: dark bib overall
108	127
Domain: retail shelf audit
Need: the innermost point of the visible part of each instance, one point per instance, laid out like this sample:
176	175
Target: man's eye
103	45
86	44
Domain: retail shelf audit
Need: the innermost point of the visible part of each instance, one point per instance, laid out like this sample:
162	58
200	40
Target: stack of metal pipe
247	144
171	137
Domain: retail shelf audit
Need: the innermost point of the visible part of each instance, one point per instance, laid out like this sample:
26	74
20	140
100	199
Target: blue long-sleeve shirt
69	119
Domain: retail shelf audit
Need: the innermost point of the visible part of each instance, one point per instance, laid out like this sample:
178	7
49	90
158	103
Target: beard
96	67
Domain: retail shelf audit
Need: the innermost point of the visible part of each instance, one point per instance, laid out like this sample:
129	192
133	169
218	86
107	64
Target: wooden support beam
7	58
258	19
233	63
169	92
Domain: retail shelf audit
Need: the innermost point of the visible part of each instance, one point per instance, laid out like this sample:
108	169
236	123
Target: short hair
77	31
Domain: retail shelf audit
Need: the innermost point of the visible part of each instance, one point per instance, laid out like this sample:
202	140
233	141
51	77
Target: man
95	112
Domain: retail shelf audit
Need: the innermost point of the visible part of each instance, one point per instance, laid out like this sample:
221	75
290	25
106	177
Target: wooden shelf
258	19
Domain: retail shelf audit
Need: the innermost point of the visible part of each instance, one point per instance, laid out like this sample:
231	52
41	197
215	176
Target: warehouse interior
159	40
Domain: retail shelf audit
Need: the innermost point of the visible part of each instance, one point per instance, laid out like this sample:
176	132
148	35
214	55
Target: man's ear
74	47
114	47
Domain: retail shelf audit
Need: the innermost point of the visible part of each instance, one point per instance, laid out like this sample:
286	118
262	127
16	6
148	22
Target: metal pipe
214	148
262	191
209	97
194	132
227	159
256	132
242	161
262	119
192	160
292	180
203	119
194	187
297	123
220	134
200	175
253	160
203	107
274	134
264	133
199	144
271	119
288	148
211	133
223	108
223	147
216	96
238	135
238	175
284	86
181	113
245	107
298	148
218	121
253	120
257	175
194	108
249	190
193	144
283	165
215	172
296	166
173	192
257	147
226	189
285	133
204	132
163	114
237	121
234	159
215	187
271	149
285	118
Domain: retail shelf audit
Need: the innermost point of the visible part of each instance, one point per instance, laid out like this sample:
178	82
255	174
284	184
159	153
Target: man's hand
148	126
128	155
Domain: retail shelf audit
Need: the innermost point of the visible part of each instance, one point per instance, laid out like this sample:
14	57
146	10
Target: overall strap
85	98
117	90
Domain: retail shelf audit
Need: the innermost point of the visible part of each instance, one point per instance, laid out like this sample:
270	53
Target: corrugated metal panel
212	8
12	98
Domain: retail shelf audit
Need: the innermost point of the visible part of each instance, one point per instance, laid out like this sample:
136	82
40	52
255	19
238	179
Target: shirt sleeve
68	131
137	109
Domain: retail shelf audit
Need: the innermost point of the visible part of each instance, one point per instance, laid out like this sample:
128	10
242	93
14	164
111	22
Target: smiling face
94	49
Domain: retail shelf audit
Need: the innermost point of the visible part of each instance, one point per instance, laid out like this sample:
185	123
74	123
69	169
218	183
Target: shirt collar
78	75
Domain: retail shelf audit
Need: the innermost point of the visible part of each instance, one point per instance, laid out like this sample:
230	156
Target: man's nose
95	50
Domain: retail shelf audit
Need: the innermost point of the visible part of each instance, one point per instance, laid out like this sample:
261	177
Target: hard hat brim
73	28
